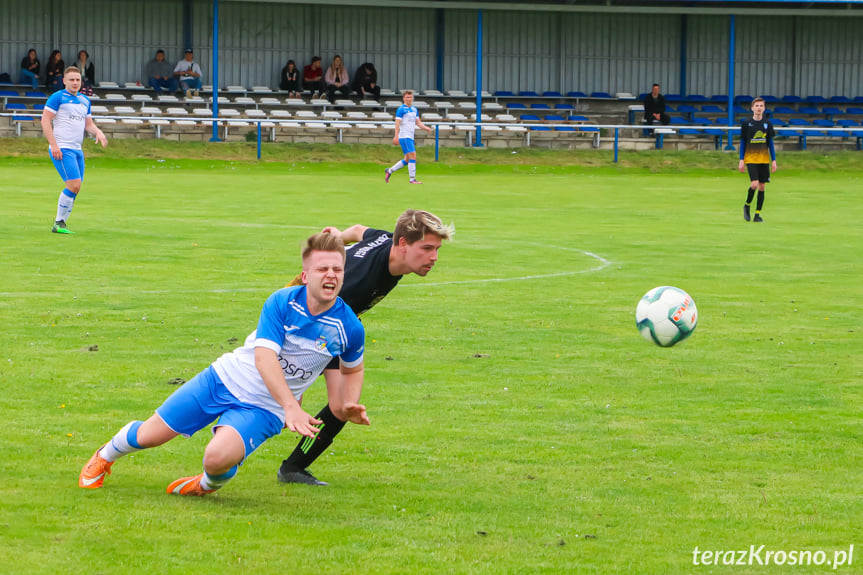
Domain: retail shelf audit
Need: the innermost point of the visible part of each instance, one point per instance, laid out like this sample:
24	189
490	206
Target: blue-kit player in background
407	121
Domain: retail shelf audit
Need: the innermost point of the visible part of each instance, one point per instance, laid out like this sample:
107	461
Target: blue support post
683	25
439	48
616	138
215	61
731	45
259	139
478	142
436	142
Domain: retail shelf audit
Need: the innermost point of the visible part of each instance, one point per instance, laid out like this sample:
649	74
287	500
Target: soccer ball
666	315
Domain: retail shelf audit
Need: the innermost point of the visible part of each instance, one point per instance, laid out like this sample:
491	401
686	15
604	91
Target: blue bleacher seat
745	98
36	94
799	122
846	123
540	106
769	99
816	99
565	129
540	128
578	119
741	110
600	95
39	106
712	109
688	109
858	99
517	106
552	94
528	94
784	110
576	95
674	98
854	111
777	123
811	110
701	121
564	107
669	109
831	111
588	129
529	118
678	121
16	106
24	118
790	99
504	94
840	100
553	118
719	98
8	93
696	98
689	132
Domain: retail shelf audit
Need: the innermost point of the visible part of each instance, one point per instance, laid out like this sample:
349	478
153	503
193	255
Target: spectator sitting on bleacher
366	81
313	77
337	79
30	67
88	72
189	74
54	71
654	107
289	80
160	74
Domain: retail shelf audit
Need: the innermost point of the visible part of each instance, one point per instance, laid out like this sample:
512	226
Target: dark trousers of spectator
370	91
315	87
664	119
332	89
158	84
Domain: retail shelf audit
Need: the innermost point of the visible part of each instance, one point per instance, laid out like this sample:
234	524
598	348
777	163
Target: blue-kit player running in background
757	155
254	391
407	121
64	120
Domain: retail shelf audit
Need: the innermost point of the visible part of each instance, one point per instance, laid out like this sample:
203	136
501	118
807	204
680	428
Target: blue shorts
71	167
204	398
407	145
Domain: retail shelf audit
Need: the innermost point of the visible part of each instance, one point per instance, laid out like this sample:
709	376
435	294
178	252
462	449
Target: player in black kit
375	263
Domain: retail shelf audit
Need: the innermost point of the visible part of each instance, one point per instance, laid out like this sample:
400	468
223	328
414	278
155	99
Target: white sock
64	206
412	169
398	166
124	443
213	482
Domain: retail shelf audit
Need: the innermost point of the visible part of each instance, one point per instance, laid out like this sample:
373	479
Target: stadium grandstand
505	74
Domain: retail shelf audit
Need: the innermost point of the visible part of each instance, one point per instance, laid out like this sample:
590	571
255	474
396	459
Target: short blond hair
71	69
322	242
413	225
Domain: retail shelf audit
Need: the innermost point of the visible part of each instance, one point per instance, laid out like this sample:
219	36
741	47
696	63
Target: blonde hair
71	69
413	225
322	242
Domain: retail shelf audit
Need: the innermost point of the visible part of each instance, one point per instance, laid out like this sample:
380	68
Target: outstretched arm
296	419
349	408
351	235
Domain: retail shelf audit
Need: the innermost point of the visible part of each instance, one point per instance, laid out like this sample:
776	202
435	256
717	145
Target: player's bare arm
48	130
396	136
351	235
423	126
297	420
91	128
351	387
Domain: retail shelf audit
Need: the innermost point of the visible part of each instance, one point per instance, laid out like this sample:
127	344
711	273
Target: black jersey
367	271
756	140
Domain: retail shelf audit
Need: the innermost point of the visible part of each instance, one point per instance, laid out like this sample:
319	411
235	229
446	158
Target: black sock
750	193
310	448
760	201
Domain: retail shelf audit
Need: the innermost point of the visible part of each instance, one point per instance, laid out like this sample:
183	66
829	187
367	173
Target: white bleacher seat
388	125
167	99
432	93
124	110
492	107
387	92
484	94
133	86
467	105
115	97
502	118
295	102
516	129
420	105
222	100
185	123
202	112
177	112
207	88
270	101
261	89
382	116
431	117
315	125
393	103
456	94
465	127
456	117
321	100
443	105
108	85
104	120
370	104
341	125
98	109
624	96
151	110
228	112
194	100
357	116
160	122
94	97
238	123
444	127
305	115
331	115
244	101
142	98
131	121
491	128
234	89
483	117
344	102
281	114
253	113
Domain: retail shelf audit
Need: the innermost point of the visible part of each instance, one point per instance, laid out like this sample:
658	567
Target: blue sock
213	482
124	443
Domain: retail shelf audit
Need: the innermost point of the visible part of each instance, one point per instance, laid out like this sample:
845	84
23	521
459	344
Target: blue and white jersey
305	345
408	114
71	113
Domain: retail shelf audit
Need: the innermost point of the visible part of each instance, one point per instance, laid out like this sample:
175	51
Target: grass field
519	422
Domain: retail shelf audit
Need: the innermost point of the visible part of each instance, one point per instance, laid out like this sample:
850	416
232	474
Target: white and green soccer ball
666	315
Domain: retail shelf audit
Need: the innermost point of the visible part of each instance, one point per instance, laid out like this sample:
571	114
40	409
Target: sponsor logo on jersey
321	343
361	252
294	371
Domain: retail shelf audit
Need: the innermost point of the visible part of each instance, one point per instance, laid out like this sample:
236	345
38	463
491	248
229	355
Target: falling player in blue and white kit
407	121
64	120
254	391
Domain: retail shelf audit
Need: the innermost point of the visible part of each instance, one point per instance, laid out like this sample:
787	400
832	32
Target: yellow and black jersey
756	141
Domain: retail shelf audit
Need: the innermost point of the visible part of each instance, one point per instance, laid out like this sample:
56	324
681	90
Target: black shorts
334	363
760	172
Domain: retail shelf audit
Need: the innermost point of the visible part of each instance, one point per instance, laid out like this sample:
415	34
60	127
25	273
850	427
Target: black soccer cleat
301	476
746	212
757	218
